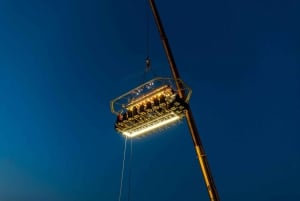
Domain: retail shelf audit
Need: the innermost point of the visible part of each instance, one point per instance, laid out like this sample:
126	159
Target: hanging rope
130	170
147	44
123	168
147	30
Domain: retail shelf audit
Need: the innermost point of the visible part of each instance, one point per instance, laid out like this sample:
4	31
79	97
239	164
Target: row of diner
158	104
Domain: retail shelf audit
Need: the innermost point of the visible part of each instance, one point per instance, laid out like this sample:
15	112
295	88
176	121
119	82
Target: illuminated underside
153	125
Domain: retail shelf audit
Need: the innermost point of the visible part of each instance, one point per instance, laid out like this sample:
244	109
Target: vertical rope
123	167
147	43
130	170
147	30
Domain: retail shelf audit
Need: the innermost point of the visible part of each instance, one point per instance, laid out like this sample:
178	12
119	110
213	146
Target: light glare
157	123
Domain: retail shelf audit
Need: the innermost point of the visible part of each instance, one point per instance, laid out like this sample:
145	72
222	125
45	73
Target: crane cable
147	45
147	34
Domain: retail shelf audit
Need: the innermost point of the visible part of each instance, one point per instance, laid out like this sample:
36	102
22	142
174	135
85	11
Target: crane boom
200	152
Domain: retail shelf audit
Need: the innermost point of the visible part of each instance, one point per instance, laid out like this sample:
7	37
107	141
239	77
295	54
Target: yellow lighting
148	97
152	125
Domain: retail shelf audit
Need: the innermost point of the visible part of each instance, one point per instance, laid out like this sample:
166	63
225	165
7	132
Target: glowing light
152	125
148	97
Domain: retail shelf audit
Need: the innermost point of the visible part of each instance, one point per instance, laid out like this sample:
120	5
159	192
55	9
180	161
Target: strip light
155	124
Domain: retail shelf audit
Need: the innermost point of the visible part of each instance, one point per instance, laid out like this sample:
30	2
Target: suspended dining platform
150	107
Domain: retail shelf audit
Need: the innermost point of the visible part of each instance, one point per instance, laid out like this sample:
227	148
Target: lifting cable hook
148	64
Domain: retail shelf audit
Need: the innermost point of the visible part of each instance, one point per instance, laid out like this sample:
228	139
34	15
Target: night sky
62	61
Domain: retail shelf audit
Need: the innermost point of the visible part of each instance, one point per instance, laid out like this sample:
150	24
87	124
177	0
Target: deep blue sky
61	62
